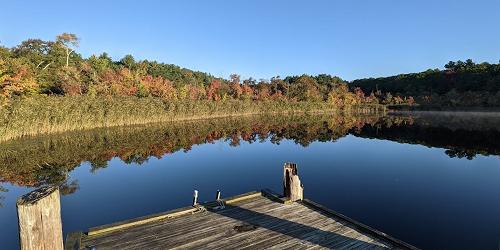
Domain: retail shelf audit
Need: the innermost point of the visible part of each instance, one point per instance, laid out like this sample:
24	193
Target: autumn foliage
37	67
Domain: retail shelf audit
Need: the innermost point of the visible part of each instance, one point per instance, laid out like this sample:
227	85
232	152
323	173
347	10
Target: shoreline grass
51	114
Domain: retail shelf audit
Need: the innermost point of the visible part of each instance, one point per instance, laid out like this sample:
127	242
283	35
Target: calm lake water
431	179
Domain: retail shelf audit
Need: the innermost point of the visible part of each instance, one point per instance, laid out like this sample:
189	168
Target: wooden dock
255	220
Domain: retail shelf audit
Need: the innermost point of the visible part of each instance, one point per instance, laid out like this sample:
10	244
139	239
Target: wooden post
217	195
292	187
195	198
39	214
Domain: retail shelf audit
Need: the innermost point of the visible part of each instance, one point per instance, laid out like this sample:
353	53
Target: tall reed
50	114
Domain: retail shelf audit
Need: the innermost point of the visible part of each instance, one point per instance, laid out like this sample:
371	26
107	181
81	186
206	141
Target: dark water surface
431	179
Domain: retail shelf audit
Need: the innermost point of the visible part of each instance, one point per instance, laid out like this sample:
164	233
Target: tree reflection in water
45	160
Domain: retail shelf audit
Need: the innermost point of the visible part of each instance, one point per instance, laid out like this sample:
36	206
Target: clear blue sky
264	38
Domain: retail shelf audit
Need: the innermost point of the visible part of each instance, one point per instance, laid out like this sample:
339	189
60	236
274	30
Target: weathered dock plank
251	221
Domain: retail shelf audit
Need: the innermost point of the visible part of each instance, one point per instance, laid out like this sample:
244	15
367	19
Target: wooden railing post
293	189
217	195
39	215
195	198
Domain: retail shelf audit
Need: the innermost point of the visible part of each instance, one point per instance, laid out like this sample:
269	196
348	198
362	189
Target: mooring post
293	189
217	195
195	198
39	217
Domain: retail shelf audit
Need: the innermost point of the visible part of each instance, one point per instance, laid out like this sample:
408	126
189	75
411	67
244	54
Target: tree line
55	68
38	67
459	84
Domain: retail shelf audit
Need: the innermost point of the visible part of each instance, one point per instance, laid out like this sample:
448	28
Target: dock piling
217	195
39	215
293	189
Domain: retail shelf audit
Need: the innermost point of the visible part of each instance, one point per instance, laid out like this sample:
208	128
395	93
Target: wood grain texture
73	241
248	221
293	189
39	215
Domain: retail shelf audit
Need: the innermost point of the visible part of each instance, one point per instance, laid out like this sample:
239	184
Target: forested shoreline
459	85
53	68
47	86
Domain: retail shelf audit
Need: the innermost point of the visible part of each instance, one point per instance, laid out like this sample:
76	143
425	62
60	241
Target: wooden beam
293	190
242	197
39	215
73	241
142	220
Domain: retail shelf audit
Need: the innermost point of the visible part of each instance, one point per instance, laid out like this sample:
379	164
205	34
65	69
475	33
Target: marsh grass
50	114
